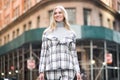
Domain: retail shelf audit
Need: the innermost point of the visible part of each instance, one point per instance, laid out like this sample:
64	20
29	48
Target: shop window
87	16
114	66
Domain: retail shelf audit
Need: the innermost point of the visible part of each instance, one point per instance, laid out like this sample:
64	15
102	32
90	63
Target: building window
38	21
8	38
119	7
6	3
71	15
0	19
107	2
109	25
30	24
5	40
24	27
13	34
16	12
101	19
114	25
87	16
50	14
7	19
38	0
0	42
18	32
119	25
27	4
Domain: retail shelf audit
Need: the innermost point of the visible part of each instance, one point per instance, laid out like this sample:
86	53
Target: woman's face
58	15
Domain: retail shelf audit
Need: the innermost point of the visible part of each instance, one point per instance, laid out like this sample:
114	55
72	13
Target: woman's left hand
78	76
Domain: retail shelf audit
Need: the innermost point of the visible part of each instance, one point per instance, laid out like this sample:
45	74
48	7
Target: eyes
59	12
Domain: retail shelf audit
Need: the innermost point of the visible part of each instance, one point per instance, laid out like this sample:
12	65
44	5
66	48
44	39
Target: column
91	58
105	52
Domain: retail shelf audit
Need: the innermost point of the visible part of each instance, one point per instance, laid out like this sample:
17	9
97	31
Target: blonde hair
53	22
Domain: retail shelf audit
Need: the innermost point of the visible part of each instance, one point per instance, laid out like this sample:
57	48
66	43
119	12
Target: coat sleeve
43	54
74	55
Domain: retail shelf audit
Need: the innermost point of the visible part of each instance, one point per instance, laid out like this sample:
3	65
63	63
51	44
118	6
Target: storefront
94	61
93	44
98	51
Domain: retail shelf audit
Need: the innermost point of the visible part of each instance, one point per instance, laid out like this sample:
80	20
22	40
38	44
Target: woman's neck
59	24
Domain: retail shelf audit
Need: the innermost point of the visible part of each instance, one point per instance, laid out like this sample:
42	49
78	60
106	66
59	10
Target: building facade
96	23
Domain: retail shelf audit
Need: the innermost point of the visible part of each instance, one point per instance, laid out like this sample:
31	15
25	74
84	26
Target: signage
108	57
31	63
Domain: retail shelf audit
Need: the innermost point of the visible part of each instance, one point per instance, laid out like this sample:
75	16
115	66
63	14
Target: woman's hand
78	76
41	76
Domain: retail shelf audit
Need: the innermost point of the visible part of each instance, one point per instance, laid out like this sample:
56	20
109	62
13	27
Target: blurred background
96	23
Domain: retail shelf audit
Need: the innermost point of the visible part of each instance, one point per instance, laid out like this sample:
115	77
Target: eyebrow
58	11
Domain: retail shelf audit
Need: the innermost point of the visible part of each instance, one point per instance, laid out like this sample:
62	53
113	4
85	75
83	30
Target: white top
60	32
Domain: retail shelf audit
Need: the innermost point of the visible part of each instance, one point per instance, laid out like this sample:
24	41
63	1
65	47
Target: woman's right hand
41	76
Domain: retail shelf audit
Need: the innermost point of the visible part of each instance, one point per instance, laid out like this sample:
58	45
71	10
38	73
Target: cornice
43	3
30	11
25	14
105	7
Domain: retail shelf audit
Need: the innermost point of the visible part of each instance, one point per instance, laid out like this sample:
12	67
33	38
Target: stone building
96	23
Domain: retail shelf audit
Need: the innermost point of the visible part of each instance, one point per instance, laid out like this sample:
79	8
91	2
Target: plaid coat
58	54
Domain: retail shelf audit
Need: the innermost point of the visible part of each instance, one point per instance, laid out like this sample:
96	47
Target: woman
58	60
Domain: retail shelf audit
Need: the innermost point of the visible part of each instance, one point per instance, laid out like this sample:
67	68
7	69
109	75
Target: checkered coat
58	54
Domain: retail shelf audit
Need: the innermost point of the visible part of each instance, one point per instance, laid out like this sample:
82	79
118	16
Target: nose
57	14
